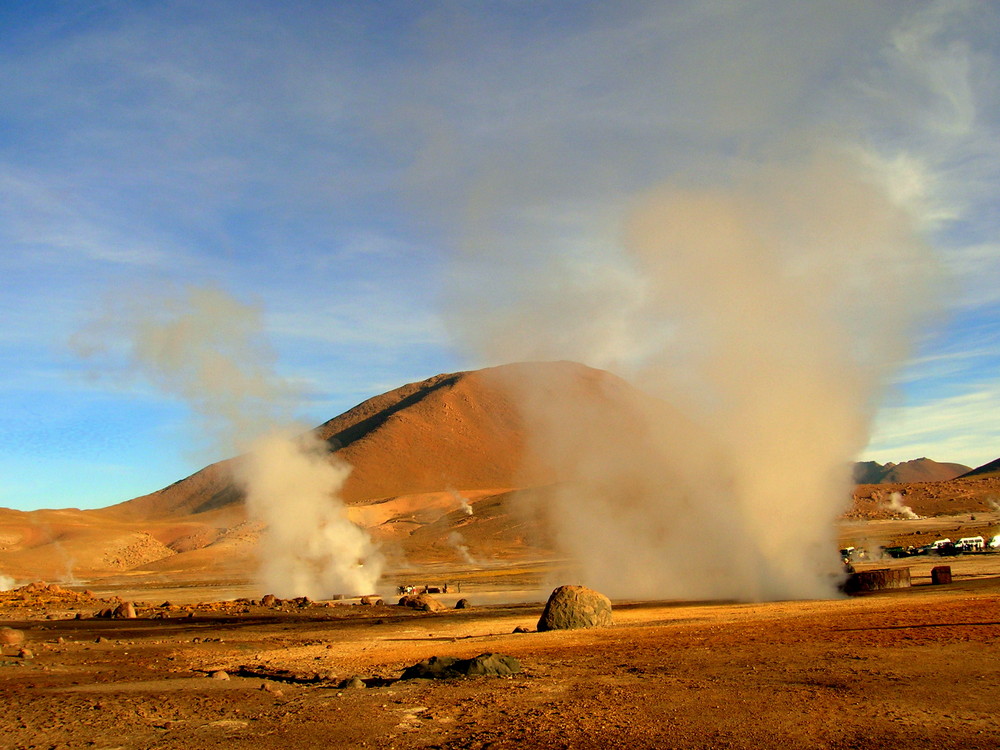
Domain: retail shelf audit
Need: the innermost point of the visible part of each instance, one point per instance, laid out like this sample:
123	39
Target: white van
969	543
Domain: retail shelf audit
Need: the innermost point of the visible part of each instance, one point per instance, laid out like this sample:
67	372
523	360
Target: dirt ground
911	668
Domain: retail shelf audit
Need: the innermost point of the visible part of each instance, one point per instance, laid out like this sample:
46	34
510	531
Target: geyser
206	347
764	315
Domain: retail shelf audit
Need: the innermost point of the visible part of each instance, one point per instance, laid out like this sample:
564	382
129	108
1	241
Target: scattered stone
571	607
269	688
11	637
463	604
422	602
219	674
124	611
26	653
302	601
448	667
269	600
229	724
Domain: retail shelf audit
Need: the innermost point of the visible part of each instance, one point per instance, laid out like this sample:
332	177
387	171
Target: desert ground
917	667
439	483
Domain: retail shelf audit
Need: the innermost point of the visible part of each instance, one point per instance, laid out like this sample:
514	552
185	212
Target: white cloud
961	428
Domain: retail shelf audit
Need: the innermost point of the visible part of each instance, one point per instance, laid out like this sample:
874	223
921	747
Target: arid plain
440	481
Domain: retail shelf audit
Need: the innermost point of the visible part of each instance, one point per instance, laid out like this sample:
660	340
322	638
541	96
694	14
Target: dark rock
124	611
521	629
463	604
25	653
448	667
353	683
571	607
422	602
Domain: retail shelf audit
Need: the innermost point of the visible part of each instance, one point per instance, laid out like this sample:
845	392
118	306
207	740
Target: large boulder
572	607
422	602
449	667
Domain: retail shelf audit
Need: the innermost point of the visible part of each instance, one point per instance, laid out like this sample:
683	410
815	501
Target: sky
330	165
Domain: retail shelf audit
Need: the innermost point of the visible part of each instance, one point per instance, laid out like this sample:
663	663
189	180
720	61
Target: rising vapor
764	315
206	347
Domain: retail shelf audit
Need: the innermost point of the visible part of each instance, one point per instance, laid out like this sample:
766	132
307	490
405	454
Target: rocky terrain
911	667
155	635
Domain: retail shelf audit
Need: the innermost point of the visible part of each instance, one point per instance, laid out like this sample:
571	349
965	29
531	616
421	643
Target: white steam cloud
6	583
206	347
896	505
457	541
463	504
763	316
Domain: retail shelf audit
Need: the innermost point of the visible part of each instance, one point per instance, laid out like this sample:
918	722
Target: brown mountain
459	431
991	469
420	455
917	470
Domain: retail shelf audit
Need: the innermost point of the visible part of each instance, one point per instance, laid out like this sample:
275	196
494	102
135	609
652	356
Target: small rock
11	637
267	687
521	629
354	683
219	675
463	604
269	600
124	611
421	602
25	653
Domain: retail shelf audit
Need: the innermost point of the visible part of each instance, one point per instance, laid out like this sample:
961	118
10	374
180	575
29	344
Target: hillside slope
917	470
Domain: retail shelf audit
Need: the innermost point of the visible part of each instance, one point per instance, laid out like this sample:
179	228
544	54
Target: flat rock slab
448	667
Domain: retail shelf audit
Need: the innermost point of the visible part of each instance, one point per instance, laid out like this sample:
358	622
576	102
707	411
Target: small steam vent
877	580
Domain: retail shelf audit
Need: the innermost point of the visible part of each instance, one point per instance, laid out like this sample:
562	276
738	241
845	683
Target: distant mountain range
917	470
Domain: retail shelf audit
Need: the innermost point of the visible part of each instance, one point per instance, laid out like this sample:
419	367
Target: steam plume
457	541
206	347
896	505
764	315
463	504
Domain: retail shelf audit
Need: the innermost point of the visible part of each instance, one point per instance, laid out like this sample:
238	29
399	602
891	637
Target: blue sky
326	163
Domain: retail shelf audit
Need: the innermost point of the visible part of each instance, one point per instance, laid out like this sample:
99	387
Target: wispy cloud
960	428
